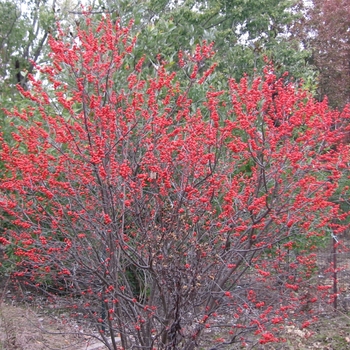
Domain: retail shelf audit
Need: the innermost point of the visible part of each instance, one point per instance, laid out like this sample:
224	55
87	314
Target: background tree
159	217
244	32
24	33
23	40
325	30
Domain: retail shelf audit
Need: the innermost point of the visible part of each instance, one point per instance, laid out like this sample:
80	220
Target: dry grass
21	327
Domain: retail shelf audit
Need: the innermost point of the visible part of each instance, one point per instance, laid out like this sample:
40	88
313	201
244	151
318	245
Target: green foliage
12	34
244	32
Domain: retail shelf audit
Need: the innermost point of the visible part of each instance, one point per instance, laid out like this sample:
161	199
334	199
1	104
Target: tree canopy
327	33
243	31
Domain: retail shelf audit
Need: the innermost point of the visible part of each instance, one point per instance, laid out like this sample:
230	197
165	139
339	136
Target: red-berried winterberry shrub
166	221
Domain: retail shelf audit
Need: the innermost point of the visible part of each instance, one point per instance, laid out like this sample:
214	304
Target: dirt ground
24	328
31	327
